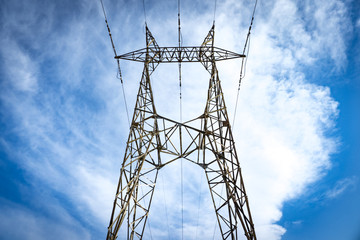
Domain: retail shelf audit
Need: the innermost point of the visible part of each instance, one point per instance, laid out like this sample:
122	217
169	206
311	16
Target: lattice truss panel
155	141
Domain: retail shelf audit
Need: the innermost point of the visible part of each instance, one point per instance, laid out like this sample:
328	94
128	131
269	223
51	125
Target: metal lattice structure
155	141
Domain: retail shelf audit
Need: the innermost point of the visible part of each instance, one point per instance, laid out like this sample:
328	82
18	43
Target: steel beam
180	54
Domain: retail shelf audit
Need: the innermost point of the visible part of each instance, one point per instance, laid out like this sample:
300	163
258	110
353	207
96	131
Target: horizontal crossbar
180	54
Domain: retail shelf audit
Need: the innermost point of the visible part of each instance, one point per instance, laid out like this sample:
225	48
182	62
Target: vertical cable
242	75
144	8
166	212
179	41
144	11
220	197
214	11
198	214
244	60
118	63
181	171
148	220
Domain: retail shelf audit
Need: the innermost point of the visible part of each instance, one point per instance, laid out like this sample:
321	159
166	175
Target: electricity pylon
155	141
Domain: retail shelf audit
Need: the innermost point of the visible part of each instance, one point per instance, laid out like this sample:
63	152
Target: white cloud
340	187
333	28
21	71
32	225
75	147
298	222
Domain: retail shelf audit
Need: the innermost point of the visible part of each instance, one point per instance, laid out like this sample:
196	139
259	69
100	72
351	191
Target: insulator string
180	95
242	75
244	60
119	75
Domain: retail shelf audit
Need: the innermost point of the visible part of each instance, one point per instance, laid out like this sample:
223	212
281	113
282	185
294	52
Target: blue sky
64	126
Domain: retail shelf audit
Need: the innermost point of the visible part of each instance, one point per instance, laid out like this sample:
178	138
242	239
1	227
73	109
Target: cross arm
180	54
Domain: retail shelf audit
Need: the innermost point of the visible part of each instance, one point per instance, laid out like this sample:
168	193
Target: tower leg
211	146
223	171
142	157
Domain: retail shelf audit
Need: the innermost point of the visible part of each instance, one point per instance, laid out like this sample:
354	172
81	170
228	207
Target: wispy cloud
34	225
341	186
73	127
21	71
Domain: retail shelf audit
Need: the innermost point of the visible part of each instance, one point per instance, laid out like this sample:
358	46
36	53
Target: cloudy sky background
64	126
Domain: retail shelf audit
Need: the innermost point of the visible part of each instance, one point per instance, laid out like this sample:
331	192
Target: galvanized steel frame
155	141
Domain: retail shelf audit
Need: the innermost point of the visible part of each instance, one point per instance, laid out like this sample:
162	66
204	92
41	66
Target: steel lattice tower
155	141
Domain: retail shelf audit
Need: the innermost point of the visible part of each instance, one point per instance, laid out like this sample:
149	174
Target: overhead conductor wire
222	186
180	95
244	60
142	192
166	212
118	63
144	11
215	1
215	5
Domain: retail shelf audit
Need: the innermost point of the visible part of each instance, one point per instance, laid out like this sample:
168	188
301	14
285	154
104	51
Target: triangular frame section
153	136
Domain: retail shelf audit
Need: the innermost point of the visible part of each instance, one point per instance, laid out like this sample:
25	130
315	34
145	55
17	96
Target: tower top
204	53
179	54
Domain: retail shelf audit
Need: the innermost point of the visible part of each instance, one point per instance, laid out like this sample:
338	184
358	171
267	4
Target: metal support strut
155	141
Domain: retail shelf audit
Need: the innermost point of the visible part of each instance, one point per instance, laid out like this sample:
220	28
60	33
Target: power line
242	75
198	214
244	60
180	43
148	220
215	10
118	62
220	197
145	95
144	11
166	213
181	172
